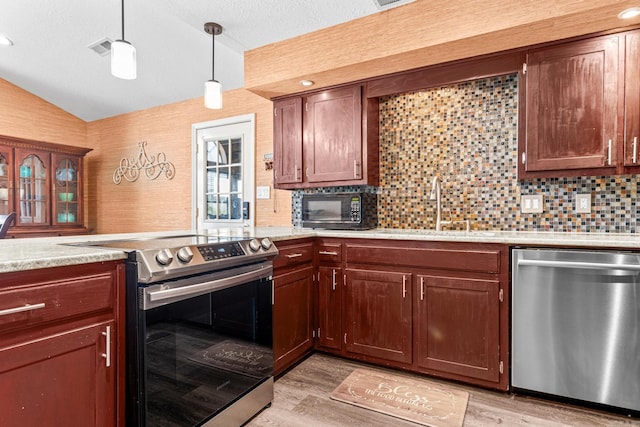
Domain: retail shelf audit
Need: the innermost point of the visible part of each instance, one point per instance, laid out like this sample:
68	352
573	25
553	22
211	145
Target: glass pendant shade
123	60
213	94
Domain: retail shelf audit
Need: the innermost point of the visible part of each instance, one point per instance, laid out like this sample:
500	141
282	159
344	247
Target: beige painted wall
161	204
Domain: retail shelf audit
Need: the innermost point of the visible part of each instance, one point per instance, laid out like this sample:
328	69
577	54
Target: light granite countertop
35	253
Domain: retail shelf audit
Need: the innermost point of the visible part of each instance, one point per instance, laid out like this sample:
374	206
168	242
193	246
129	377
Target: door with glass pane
224	174
6	172
33	187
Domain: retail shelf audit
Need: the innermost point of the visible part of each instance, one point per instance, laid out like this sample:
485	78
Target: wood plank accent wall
161	204
419	34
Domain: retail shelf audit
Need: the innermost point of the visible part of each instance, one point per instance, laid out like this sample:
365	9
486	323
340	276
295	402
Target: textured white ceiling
51	59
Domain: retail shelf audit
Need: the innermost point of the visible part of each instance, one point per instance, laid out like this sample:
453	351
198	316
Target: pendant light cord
213	55
122	20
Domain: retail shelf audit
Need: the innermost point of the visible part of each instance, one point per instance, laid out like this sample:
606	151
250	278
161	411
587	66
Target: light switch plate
583	203
531	204
263	192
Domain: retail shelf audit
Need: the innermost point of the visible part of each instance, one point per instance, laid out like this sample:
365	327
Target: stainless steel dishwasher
576	325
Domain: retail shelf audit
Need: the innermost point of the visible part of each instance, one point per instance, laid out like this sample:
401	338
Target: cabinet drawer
329	252
294	254
477	260
46	302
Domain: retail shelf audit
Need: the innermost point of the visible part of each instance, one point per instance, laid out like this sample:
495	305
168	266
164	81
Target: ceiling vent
102	47
387	4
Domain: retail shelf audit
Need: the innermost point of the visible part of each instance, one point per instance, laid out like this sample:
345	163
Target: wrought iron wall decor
153	166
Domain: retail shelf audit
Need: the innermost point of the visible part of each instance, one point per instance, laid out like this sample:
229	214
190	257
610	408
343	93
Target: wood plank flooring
302	400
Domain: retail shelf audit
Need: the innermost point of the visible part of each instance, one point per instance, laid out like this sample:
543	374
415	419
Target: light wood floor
302	400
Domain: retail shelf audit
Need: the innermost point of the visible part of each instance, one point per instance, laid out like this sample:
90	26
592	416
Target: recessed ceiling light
632	12
5	41
306	82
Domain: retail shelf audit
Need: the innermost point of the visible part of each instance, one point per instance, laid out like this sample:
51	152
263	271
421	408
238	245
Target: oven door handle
202	288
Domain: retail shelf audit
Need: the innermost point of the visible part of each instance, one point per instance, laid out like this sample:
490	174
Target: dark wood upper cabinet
339	142
333	135
287	141
572	95
43	183
632	101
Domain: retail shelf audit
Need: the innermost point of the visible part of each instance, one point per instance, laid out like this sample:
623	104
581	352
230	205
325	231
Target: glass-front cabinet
33	195
6	181
42	183
66	191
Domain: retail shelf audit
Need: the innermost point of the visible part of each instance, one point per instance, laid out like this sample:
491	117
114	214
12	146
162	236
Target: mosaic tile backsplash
467	135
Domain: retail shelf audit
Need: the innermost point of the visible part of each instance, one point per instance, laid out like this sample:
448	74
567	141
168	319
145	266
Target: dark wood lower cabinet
292	317
458	326
62	350
432	307
330	284
60	379
378	314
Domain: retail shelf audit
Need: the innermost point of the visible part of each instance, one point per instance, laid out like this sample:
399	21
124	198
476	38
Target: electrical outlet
583	203
262	192
531	204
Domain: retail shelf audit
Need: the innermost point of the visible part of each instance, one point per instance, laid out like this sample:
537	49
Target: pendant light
213	88
123	56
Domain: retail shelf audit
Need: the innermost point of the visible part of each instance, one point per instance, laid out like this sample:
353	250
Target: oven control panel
221	250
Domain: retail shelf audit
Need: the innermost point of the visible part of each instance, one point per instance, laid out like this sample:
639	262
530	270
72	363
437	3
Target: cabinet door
329	307
33	170
6	180
62	380
572	106
292	317
333	135
67	189
458	326
287	142
632	99
378	314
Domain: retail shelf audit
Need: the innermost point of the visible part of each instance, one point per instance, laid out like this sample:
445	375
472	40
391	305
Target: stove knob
184	254
254	245
266	243
164	257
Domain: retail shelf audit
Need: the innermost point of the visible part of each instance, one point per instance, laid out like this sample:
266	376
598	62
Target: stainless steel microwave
340	211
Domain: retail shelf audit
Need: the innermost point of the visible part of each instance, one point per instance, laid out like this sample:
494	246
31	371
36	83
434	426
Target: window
223	172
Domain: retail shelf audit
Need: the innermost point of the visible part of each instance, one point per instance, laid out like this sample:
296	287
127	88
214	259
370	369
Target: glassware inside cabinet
66	191
4	185
33	190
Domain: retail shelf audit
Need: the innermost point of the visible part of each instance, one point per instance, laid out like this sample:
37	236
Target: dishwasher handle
577	264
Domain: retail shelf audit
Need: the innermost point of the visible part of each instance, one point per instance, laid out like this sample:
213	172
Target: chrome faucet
435	195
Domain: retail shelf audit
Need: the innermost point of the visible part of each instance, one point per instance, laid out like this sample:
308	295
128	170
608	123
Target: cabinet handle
328	253
306	172
27	307
290	256
609	154
422	289
107	353
334	279
404	286
524	158
295	173
635	149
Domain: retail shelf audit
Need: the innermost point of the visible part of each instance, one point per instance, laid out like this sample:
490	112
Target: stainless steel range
199	329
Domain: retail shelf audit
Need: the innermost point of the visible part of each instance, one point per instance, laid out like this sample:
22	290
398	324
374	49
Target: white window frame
199	175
